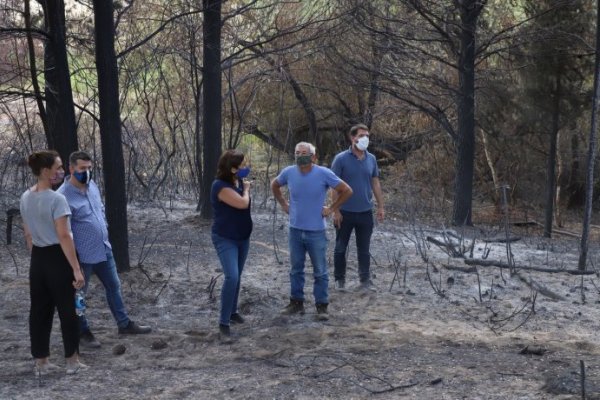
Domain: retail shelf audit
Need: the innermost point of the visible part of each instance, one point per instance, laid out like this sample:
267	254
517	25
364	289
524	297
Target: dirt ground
427	332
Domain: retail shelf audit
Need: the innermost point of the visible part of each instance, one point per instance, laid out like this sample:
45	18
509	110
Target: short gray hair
311	148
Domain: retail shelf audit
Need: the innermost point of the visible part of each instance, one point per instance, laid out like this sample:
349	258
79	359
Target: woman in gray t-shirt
54	272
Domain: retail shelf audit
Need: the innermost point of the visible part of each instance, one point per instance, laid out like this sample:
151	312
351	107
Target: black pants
362	223
51	286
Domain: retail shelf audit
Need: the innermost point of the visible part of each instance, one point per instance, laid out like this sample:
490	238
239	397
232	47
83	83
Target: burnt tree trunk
465	146
551	163
211	118
33	69
110	132
62	131
589	181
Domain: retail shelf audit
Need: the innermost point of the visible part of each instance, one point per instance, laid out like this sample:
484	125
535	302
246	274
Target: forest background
463	98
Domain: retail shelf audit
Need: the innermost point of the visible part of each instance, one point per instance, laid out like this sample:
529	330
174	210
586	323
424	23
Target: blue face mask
243	172
83	177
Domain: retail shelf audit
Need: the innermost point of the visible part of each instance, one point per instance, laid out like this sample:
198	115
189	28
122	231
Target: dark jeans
362	223
51	287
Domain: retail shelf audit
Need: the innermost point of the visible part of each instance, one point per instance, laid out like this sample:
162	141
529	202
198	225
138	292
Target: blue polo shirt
307	195
88	222
358	175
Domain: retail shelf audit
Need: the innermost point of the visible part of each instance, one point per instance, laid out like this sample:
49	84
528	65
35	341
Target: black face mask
303	160
83	177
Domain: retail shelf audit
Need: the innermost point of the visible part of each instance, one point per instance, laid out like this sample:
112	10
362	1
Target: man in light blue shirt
358	167
90	233
308	184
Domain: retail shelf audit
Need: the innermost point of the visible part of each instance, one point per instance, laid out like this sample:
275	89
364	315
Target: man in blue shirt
358	167
308	184
90	233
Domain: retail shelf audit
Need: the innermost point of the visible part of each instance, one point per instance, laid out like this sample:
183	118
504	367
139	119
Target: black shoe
134	329
295	307
340	285
236	318
224	330
322	314
87	340
367	286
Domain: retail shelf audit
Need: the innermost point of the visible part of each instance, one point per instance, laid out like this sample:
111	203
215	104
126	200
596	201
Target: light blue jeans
315	243
106	271
232	254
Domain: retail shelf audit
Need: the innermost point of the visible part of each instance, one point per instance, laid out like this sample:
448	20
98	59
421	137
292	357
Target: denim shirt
88	223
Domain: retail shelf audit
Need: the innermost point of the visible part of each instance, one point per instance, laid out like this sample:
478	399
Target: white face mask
362	143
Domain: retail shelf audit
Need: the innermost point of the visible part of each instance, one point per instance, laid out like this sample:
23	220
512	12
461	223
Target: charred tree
60	111
591	156
110	131
465	144
212	118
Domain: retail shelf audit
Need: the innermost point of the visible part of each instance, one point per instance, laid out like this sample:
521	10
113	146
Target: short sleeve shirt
39	210
307	195
358	174
229	222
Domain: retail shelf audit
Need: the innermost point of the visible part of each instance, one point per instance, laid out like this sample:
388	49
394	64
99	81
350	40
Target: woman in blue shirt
231	229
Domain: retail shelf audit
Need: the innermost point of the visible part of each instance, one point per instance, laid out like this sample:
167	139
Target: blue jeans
315	243
362	223
106	271
232	254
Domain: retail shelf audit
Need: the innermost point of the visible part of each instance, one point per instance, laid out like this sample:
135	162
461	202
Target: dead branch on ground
454	250
500	264
502	240
538	287
466	270
144	254
396	261
437	288
536	223
211	288
496	324
165	284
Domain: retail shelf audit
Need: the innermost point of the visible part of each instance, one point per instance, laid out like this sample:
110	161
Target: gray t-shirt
39	211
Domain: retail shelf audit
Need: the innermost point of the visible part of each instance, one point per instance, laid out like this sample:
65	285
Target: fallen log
540	288
536	223
502	239
466	270
500	264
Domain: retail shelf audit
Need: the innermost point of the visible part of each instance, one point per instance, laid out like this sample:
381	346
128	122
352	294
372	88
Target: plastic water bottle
79	303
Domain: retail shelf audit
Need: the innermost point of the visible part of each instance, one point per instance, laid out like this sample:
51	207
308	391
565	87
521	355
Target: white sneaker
45	369
76	367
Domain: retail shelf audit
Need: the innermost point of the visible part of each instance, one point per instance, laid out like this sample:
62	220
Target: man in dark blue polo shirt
90	233
358	168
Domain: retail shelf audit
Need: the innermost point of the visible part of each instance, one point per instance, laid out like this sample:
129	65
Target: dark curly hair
40	160
229	159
